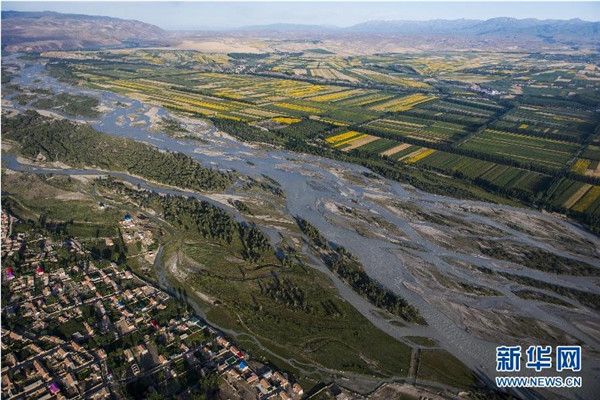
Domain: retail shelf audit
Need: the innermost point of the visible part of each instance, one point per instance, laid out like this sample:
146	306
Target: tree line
81	145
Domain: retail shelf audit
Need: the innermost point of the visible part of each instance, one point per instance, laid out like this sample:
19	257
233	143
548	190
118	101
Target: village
95	330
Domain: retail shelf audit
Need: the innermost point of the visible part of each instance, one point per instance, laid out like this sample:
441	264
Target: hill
41	31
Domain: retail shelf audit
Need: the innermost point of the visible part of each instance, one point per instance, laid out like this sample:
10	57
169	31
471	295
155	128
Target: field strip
487	169
504	133
595	173
533	160
420	156
577	195
396	149
512	143
352	139
341	137
342	76
586	201
413	154
397	122
581	166
360	142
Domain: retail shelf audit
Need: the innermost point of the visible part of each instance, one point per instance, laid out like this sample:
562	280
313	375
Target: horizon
235	15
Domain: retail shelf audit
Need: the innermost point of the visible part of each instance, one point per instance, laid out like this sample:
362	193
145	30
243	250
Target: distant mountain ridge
41	31
562	30
477	26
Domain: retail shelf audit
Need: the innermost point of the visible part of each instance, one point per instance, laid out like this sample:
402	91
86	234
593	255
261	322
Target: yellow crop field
352	139
232	117
373	98
297	107
523	126
580	166
336	96
341	137
587	199
199	103
420	156
286	120
153	59
306	91
403	103
225	93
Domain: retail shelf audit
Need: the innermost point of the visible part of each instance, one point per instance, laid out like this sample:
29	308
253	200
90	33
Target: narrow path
415	356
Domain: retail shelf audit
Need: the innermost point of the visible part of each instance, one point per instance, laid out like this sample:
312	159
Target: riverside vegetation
81	145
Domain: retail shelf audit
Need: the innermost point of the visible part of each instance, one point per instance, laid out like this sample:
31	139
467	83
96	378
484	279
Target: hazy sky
187	15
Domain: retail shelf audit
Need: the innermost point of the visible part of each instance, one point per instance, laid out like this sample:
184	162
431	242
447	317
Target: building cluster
135	231
9	245
87	329
242	377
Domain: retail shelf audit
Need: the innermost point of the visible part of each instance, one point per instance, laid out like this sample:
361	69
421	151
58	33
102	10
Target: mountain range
39	31
494	26
573	30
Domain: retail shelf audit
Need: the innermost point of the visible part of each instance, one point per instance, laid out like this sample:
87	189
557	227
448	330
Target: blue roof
242	365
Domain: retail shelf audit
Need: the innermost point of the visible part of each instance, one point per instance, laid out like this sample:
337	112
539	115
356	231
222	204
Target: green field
417	128
548	122
495	174
528	151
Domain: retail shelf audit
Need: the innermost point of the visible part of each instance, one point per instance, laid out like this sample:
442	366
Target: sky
203	15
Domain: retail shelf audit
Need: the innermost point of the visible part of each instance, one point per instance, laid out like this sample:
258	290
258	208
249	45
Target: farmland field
489	172
380	146
546	153
576	196
398	114
548	122
417	128
455	107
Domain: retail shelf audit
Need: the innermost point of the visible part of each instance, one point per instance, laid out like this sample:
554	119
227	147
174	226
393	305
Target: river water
309	181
